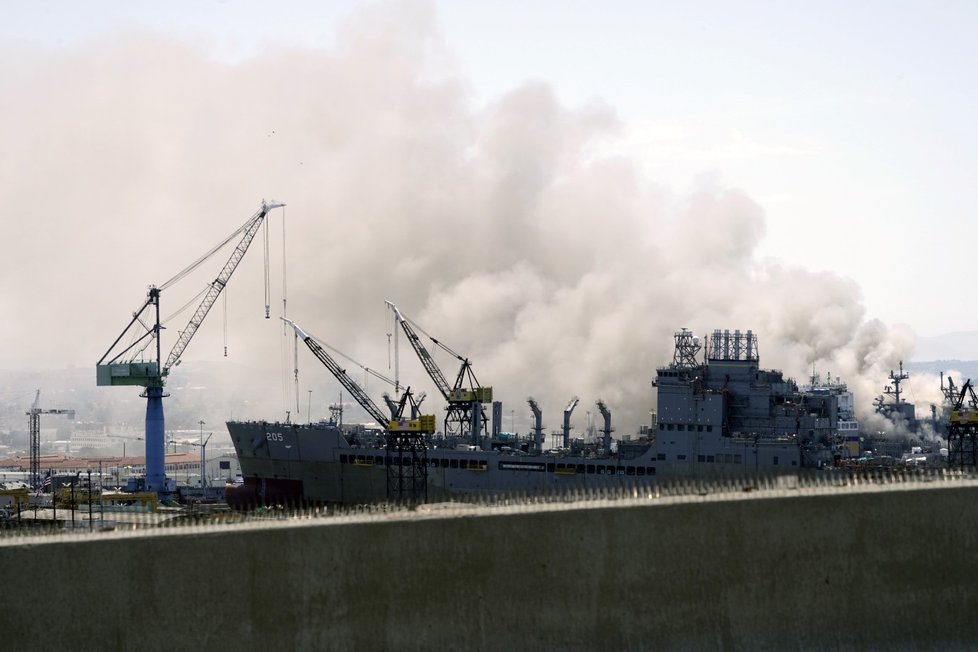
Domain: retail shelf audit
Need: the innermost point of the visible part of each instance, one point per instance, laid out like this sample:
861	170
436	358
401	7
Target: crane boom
250	229
361	397
121	368
427	361
34	429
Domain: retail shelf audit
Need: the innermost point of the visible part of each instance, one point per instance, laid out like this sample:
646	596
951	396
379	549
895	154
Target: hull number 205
273	436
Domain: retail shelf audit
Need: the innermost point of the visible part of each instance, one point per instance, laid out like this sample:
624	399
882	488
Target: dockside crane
465	414
407	446
34	428
962	429
120	366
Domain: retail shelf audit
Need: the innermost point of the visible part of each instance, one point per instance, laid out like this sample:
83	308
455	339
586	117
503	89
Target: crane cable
267	286
168	319
441	345
197	263
285	312
296	370
225	322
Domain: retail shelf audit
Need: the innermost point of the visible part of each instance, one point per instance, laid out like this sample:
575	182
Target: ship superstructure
897	410
847	437
726	415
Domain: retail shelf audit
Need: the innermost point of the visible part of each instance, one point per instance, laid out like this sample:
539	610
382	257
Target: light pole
203	477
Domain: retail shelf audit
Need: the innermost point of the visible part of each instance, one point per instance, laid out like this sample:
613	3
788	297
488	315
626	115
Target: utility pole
203	475
203	455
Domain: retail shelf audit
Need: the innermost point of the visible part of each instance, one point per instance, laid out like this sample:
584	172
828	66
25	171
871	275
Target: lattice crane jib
407	437
119	366
34	431
465	414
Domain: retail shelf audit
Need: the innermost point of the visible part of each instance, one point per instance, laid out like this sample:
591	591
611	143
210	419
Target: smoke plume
503	228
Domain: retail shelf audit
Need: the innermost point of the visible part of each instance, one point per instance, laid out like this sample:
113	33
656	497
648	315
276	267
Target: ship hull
318	464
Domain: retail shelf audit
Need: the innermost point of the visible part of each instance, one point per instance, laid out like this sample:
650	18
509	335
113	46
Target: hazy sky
554	185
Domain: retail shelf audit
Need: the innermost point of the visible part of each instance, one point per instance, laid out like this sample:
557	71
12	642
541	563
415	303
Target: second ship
722	416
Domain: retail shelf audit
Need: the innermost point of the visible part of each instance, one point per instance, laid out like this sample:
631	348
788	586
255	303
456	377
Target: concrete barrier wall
893	568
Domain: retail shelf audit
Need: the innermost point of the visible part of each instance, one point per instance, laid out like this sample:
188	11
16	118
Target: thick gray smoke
501	228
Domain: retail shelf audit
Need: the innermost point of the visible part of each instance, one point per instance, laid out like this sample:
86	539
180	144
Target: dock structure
740	568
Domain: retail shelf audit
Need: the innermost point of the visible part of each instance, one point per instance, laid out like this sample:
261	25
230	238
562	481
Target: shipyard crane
407	447
567	415
949	391
465	398
962	429
34	428
119	365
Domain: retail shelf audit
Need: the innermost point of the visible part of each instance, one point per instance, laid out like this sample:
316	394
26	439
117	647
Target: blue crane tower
125	364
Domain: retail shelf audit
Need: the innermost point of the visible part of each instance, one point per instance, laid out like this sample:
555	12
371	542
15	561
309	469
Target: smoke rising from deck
506	229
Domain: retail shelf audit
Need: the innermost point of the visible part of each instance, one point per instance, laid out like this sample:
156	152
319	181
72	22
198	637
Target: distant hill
951	346
964	368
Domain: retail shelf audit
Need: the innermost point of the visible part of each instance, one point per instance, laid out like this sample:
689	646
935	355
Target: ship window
738	459
463	464
662	426
621	470
444	464
793	463
639	470
650	470
699	428
709	459
590	468
580	468
709	428
671	426
681	457
454	464
701	458
630	470
378	460
343	459
661	456
550	467
775	459
680	427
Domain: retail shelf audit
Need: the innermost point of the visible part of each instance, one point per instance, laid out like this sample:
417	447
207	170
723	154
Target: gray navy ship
723	416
